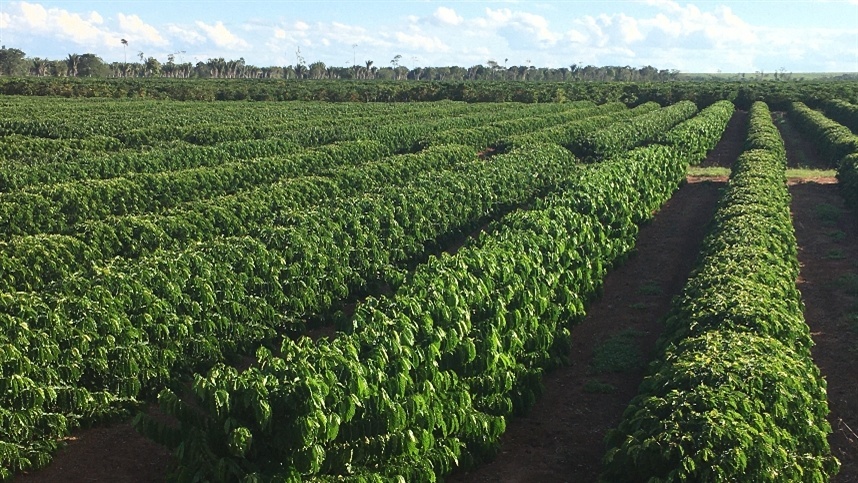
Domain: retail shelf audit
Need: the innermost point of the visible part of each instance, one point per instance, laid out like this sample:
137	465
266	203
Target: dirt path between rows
562	438
827	236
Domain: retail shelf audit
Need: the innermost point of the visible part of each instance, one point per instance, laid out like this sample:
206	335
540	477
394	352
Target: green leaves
734	394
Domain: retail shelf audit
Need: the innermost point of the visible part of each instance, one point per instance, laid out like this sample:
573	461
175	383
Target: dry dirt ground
561	439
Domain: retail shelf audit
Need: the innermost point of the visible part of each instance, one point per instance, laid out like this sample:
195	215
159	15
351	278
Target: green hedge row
834	141
743	94
623	136
763	134
734	394
422	382
698	135
844	112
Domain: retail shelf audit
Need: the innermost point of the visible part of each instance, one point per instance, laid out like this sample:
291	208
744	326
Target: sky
697	36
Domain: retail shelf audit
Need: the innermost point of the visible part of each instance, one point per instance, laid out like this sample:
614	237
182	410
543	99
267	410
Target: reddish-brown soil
105	454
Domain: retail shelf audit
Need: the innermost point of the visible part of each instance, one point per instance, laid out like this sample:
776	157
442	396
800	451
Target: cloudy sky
697	36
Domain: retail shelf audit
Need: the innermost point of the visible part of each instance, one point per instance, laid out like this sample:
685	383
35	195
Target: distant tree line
14	62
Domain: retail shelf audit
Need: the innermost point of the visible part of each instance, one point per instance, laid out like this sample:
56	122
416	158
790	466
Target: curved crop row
569	133
699	135
734	394
487	135
44	262
844	112
424	381
834	141
46	164
617	138
134	325
58	208
417	385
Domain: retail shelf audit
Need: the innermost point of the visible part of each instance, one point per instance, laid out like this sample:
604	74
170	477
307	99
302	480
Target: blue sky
697	36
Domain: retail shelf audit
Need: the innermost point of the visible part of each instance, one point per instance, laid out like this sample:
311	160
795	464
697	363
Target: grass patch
827	213
809	173
852	319
598	387
848	283
620	353
640	306
835	254
650	287
709	171
837	235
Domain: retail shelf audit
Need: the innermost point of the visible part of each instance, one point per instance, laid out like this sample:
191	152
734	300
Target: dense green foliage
835	141
422	381
844	112
734	394
117	286
743	94
622	136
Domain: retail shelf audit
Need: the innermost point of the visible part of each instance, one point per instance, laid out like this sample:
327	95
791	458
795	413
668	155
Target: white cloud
135	28
448	16
219	35
421	42
186	35
521	30
89	30
34	15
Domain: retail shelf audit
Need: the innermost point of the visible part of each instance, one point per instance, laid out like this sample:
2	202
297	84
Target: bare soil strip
827	236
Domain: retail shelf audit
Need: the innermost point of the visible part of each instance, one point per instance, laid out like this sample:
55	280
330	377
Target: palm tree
152	67
72	64
369	68
125	49
40	67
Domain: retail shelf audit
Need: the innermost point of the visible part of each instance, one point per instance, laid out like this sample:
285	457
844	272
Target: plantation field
375	292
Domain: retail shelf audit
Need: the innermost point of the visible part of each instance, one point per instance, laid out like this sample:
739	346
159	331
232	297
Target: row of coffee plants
842	111
82	118
57	208
423	382
621	137
734	394
399	133
833	140
836	142
35	262
486	135
762	134
93	340
776	93
38	262
567	134
699	135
